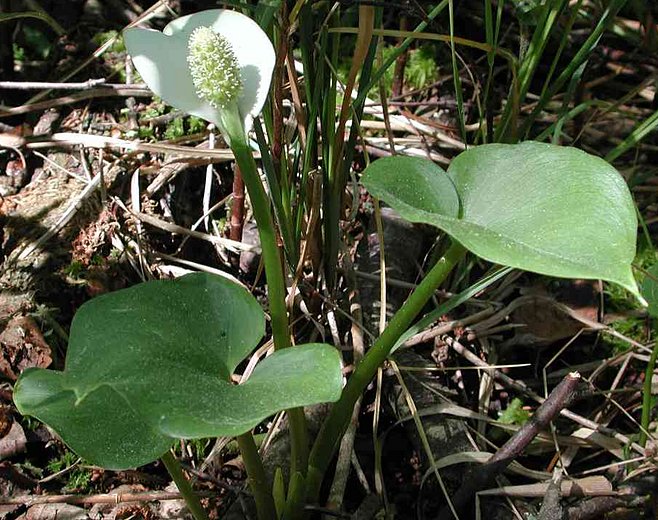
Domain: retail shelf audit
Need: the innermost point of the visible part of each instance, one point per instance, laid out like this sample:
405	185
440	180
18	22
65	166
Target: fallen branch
76	97
83	85
107	498
520	387
598	507
481	476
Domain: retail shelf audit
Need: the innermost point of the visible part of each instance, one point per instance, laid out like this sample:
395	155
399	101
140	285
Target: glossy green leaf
150	364
416	188
553	210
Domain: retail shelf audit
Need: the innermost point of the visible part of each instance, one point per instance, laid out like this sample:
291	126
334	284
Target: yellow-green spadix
203	62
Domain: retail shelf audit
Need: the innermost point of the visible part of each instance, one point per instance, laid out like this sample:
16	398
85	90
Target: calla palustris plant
125	396
543	208
217	65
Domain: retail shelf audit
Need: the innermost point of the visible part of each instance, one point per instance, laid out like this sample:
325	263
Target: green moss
196	446
178	127
175	129
633	328
528	11
65	460
29	423
145	133
103	37
74	269
421	69
514	413
619	299
196	125
19	52
37	42
78	479
155	109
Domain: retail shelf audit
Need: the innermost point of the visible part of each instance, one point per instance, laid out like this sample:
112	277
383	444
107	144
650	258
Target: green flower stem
334	426
193	504
258	482
232	126
646	396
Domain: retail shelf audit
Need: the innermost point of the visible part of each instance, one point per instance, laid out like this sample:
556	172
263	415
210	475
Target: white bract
206	63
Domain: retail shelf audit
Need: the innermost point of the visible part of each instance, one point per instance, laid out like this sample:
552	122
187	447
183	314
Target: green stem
193	504
334	426
266	230
646	396
294	509
258	482
232	125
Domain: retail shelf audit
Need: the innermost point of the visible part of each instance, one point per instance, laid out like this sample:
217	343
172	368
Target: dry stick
110	498
520	387
296	95
582	487
84	85
75	98
207	188
168	171
449	326
174	228
480	477
143	17
101	141
551	507
400	63
346	449
597	507
201	475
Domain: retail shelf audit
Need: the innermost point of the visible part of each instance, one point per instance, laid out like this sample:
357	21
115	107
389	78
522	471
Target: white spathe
161	59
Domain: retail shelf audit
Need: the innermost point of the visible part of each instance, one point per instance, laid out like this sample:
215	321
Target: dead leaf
13	443
6	419
544	322
55	512
23	346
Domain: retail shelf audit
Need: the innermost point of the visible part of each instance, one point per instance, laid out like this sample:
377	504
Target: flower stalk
213	66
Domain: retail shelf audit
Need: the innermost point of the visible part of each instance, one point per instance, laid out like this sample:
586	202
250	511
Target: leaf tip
630	284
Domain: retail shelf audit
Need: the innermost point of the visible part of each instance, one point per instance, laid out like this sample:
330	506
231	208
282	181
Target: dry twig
558	399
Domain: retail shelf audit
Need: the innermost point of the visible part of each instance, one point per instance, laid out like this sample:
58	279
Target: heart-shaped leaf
544	208
150	364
